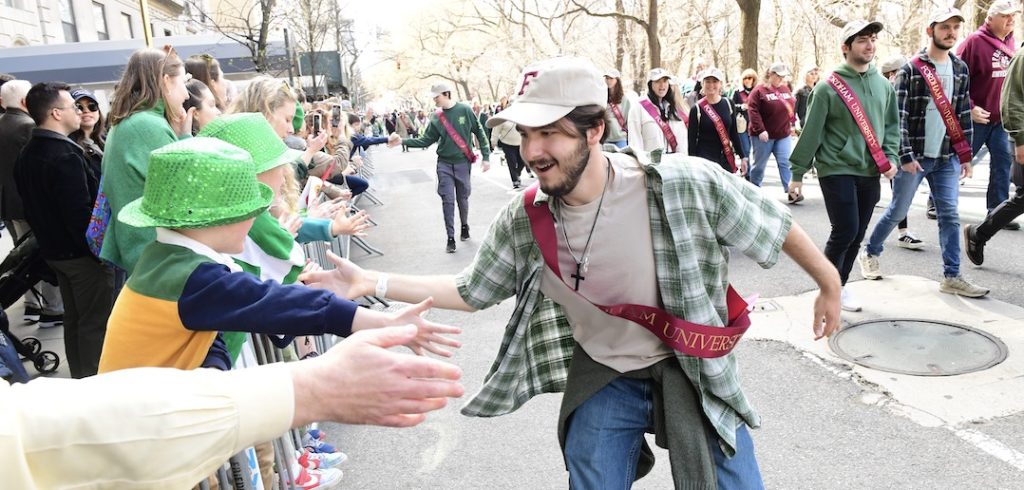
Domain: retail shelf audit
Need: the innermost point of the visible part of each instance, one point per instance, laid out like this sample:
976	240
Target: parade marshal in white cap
600	317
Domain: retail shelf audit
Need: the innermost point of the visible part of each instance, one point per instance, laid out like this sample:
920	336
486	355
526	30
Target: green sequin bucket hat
251	132
198	183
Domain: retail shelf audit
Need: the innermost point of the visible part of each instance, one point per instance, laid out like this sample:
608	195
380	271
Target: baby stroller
23	268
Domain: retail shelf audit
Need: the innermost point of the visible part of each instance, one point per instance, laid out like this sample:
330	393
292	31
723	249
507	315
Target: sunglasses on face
90	107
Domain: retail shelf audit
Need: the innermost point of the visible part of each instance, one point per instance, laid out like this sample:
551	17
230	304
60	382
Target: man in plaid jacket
927	152
620	379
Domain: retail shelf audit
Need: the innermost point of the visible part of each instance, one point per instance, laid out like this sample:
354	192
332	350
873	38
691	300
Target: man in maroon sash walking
452	128
935	124
852	136
638	345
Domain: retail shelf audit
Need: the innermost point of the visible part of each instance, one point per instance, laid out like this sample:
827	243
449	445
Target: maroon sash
665	129
689	338
723	136
618	116
956	133
456	138
852	102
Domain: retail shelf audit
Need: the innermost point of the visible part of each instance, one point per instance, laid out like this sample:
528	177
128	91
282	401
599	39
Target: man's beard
860	60
938	43
573	173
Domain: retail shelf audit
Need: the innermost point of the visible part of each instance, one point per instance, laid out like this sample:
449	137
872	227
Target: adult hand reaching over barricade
344	224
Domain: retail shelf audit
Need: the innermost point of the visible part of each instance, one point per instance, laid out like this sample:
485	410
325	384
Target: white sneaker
909	242
869	267
959	285
307	479
847	301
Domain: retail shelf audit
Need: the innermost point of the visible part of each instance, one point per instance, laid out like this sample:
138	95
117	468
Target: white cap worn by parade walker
550	89
613	73
780	69
712	73
854	28
1003	7
658	74
439	88
944	14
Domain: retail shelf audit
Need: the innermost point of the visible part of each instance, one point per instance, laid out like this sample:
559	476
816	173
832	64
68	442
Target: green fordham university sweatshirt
465	123
831	140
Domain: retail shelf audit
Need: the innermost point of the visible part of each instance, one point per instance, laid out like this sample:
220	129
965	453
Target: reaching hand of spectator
326	209
290	222
346	280
394	140
428	333
354	225
356	161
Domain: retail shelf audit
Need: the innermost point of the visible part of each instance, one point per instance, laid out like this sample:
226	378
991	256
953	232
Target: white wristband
381	290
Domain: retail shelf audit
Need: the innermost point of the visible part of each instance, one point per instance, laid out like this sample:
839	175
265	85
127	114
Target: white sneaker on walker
847	301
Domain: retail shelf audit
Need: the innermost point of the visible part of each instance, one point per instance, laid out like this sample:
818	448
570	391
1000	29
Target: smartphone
316	124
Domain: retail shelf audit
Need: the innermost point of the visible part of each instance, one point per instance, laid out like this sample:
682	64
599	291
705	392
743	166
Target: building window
67	20
99	13
168	33
129	27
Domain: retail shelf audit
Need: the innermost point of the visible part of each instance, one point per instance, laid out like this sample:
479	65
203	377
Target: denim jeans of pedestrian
606	432
1000	151
745	144
944	180
849	201
781	148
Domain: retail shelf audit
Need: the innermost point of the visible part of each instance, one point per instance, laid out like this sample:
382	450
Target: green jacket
1012	100
831	140
125	163
466	124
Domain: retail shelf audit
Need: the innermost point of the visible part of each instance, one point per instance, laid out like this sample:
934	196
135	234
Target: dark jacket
15	131
703	137
912	98
59	189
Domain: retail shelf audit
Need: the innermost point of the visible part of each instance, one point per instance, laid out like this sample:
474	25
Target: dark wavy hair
616	93
581	119
670	97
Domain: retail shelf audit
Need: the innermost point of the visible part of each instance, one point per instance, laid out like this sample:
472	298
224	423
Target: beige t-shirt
620	270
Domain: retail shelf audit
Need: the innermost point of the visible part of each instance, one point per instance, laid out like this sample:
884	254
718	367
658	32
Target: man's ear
594	134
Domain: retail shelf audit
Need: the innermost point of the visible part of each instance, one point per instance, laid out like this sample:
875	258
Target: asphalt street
823	427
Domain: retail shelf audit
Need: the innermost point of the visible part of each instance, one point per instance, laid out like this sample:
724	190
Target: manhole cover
918	347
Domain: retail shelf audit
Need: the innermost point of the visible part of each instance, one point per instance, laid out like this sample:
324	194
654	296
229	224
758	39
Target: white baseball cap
1002	7
712	73
613	73
944	14
658	74
780	69
854	28
550	89
439	88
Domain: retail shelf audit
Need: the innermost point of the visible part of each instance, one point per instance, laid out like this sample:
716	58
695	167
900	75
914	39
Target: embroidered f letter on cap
550	89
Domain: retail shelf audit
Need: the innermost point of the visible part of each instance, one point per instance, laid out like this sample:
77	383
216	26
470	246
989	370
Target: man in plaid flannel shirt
680	217
926	151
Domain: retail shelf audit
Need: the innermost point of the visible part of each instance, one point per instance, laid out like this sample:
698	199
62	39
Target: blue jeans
745	144
619	144
606	432
944	180
781	148
1000	157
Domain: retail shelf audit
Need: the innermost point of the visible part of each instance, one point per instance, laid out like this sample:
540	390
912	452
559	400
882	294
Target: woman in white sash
656	123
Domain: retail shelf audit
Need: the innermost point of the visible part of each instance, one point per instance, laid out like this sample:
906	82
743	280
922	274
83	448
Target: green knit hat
198	183
300	114
251	132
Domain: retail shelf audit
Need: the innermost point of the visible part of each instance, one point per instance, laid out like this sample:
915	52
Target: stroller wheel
32	343
46	362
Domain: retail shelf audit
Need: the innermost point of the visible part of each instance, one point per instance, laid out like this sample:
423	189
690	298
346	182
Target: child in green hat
271	252
202	197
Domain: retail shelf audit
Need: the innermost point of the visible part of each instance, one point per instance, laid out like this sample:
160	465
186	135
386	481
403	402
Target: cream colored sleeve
138	428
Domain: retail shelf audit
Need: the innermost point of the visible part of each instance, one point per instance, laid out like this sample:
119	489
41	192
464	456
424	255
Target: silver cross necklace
583	262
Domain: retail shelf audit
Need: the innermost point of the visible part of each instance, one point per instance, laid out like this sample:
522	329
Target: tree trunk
266	14
980	12
750	13
620	36
653	43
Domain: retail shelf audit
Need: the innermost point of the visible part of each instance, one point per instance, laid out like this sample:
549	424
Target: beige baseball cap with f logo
550	89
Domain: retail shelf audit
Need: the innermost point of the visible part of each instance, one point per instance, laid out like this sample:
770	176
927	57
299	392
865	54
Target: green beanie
300	115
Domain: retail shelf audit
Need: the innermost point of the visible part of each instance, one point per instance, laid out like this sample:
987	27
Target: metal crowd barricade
237	474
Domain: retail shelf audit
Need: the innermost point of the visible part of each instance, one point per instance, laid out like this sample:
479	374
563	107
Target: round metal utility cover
918	347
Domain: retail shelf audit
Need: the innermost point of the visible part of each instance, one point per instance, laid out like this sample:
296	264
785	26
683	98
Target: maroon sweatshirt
987	67
771	109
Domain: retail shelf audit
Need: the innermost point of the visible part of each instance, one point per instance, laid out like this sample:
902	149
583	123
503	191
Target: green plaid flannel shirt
696	210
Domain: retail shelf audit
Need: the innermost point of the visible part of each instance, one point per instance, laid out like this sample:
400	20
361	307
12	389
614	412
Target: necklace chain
584	258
